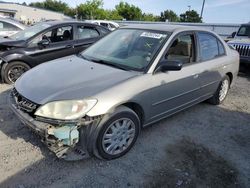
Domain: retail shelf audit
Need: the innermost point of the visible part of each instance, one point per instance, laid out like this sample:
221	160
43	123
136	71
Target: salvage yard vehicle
10	27
97	102
108	24
43	42
241	43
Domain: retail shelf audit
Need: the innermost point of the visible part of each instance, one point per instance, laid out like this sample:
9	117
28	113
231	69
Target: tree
169	15
113	15
129	12
91	10
190	16
53	5
150	17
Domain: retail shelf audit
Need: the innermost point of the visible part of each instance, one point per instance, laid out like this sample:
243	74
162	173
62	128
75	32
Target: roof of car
163	27
56	22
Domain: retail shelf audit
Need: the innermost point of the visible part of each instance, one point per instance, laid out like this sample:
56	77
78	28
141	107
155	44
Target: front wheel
221	92
118	134
13	71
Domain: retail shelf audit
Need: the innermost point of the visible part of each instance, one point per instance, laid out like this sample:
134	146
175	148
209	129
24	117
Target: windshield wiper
109	64
103	62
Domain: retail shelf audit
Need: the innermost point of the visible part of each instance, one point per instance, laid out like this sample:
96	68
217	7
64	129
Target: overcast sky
215	11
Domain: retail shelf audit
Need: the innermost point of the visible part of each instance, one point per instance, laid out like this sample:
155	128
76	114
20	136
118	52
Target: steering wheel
45	37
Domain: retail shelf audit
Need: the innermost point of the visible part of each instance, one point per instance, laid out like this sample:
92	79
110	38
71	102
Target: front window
128	48
30	31
59	34
244	31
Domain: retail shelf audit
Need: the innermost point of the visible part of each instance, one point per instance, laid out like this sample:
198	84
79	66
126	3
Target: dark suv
44	42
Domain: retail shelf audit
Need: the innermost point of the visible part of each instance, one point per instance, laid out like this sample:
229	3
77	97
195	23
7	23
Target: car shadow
140	166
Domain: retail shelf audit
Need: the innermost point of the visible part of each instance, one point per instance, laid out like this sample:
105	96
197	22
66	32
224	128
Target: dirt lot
204	146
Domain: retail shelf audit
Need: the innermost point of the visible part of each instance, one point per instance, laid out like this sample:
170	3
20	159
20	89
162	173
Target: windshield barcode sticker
152	35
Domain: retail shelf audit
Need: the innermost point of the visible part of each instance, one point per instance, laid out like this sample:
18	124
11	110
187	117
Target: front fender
13	57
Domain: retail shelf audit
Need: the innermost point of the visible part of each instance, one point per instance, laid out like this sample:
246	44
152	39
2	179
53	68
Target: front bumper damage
68	140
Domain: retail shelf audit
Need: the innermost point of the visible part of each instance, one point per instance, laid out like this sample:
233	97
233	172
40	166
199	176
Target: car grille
24	104
243	49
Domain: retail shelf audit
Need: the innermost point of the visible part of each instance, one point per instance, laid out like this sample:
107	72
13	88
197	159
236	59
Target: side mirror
43	43
233	34
169	65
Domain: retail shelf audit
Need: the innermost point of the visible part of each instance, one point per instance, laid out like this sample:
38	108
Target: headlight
66	110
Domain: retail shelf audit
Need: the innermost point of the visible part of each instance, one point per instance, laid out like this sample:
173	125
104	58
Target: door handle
195	76
68	46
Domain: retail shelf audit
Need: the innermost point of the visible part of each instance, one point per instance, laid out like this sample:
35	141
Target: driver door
176	90
60	45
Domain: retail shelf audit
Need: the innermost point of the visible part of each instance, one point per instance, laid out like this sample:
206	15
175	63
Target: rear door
60	44
213	60
85	36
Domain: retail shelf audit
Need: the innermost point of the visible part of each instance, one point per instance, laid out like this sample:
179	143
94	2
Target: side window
103	31
55	35
112	26
182	49
208	46
221	48
84	32
104	24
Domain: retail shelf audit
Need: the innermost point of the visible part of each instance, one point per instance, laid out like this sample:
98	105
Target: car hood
240	41
11	43
68	78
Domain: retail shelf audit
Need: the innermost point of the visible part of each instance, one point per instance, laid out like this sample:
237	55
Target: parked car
9	27
96	103
241	43
44	42
108	24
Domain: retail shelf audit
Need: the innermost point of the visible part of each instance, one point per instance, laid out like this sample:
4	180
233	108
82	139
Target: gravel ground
204	146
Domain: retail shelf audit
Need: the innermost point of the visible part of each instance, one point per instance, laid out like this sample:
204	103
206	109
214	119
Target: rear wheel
118	134
13	71
221	92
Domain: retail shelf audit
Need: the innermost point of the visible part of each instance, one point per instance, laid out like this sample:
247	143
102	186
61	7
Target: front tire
13	71
118	133
221	92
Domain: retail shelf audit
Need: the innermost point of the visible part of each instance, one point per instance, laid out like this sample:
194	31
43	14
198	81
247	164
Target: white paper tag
152	35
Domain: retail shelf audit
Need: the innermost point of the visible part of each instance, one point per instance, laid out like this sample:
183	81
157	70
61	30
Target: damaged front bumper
65	139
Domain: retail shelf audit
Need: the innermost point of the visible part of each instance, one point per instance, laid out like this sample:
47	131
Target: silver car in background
10	27
96	103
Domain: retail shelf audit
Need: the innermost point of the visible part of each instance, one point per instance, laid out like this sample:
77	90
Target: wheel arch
137	108
230	75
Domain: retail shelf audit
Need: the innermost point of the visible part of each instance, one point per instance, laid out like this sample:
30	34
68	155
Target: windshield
244	31
132	49
30	31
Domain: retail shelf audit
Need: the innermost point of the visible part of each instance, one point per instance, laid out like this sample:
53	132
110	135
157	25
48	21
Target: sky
215	11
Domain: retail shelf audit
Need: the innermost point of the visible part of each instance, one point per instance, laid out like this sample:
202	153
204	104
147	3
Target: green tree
91	10
190	16
129	12
113	15
149	17
55	5
169	15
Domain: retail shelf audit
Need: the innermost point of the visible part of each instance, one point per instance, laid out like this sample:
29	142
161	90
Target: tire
218	97
13	71
123	138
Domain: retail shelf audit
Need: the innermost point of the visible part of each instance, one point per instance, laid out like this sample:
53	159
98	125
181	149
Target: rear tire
118	133
13	71
221	92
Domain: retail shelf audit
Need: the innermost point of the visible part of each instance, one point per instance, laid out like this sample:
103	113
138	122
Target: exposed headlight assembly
66	110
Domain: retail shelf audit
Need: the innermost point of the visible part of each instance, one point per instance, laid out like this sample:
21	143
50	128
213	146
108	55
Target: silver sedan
96	103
